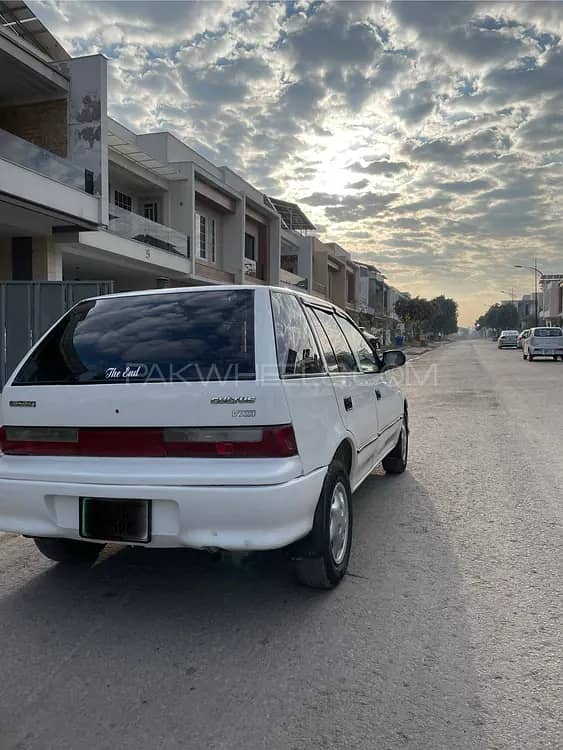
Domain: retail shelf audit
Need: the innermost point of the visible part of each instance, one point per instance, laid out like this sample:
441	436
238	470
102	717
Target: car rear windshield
170	337
543	333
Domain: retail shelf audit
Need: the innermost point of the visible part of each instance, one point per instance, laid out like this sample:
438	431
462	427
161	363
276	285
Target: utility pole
537	273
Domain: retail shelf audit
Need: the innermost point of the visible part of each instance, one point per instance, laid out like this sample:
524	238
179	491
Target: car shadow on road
232	653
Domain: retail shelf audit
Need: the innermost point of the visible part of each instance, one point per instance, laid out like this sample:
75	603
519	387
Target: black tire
68	550
316	564
555	357
530	357
524	356
396	461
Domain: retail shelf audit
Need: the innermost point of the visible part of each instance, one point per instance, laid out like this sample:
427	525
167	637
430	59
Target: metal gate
29	308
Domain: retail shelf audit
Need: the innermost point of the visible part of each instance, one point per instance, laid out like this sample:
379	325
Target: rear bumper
227	517
544	352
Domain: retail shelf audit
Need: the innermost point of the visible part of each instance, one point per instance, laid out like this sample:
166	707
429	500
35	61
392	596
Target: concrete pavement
446	633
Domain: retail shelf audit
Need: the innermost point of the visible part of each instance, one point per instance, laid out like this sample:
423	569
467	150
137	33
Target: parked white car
521	336
543	342
507	338
220	418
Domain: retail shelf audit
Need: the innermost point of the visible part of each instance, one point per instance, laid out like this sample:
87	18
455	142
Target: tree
415	313
499	317
444	318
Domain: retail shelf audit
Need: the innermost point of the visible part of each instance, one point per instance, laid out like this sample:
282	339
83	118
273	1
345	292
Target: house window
205	240
150	211
123	200
212	238
249	246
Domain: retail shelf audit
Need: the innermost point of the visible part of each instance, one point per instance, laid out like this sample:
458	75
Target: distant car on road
507	338
521	337
543	342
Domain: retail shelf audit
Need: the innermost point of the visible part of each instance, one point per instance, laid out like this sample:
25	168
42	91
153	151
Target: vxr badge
233	400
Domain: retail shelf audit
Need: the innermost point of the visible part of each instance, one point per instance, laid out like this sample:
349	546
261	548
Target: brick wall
42	123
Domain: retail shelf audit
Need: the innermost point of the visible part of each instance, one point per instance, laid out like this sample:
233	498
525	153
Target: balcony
292	280
134	227
25	154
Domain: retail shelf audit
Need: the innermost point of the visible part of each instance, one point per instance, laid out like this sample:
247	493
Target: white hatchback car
543	342
220	418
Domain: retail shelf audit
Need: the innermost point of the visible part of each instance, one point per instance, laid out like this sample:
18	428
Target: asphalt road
446	634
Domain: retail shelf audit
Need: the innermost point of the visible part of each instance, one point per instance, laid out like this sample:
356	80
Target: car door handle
348	403
377	394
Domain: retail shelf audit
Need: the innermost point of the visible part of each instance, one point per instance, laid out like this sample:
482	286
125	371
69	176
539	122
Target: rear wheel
524	356
396	461
68	550
321	559
530	357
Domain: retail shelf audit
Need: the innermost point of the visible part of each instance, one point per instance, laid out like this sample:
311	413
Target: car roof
226	287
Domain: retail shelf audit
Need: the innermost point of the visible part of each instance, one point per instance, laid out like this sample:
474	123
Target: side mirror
393	358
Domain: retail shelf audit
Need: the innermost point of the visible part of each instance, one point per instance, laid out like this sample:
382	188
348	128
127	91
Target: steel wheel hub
339	523
404	442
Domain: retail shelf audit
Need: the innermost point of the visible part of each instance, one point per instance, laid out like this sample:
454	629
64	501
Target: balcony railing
134	227
292	279
27	154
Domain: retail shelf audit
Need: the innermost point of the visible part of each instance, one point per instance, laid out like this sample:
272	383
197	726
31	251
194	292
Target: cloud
360	207
382	167
360	185
413	105
462	187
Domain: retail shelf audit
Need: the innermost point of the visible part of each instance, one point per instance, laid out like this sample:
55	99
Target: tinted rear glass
546	332
183	336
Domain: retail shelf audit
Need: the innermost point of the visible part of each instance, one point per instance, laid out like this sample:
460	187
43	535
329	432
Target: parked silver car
507	338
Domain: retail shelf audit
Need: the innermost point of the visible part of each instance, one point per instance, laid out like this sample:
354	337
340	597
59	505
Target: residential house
551	301
53	162
296	245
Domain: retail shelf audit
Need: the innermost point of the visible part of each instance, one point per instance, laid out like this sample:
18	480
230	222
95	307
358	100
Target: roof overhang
292	216
130	150
17	19
25	75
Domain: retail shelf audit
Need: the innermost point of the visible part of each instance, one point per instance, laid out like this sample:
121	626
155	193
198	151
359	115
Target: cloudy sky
424	137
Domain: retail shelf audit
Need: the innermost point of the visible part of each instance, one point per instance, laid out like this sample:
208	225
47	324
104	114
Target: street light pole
537	273
536	280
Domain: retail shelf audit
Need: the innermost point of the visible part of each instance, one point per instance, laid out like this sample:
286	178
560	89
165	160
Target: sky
426	138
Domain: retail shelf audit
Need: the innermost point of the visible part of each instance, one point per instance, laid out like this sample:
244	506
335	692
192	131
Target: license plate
115	520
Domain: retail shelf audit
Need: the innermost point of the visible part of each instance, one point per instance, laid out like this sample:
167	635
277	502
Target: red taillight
236	442
194	442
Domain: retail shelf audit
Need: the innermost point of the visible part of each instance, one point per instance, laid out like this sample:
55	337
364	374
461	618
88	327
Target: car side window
296	347
326	346
359	345
344	357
